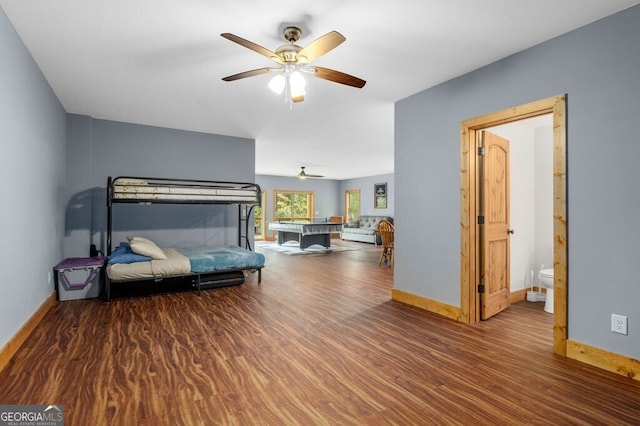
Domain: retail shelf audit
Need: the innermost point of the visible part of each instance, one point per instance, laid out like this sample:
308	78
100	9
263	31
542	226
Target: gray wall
597	67
32	177
365	185
101	148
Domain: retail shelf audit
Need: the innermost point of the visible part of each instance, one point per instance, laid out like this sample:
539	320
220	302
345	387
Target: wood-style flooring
317	342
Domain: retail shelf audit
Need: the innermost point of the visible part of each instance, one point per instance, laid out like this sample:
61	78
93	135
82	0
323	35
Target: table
306	234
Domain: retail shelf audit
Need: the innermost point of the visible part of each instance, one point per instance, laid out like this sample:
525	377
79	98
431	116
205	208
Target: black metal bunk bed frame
147	191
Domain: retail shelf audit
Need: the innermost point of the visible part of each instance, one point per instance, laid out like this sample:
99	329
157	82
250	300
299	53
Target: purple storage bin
79	277
80	262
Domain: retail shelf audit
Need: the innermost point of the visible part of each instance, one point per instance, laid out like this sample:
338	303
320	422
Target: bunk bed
140	259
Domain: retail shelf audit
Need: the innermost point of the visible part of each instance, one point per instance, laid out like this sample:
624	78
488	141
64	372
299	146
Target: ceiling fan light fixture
297	84
277	84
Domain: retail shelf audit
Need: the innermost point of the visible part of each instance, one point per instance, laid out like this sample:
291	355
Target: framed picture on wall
380	195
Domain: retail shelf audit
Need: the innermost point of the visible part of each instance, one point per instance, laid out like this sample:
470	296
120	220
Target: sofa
363	229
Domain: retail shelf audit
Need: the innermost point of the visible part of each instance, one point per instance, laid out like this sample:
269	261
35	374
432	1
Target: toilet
546	279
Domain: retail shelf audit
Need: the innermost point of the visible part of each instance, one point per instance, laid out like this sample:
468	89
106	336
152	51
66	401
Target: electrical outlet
619	324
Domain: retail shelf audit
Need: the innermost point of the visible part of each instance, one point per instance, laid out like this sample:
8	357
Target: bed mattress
184	261
153	189
176	264
218	259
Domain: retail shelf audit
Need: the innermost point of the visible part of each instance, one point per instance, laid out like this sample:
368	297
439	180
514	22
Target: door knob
510	231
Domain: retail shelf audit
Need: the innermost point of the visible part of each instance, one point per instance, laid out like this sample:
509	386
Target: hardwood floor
317	342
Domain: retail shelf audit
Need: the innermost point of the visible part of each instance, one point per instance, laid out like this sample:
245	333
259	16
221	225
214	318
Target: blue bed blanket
216	259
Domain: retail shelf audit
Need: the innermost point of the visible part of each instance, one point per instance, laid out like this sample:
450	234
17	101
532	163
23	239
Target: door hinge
480	220
480	288
481	150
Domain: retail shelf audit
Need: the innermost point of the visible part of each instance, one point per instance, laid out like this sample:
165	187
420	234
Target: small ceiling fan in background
304	175
294	60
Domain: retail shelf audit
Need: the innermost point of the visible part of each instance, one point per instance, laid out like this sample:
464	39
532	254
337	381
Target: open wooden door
494	230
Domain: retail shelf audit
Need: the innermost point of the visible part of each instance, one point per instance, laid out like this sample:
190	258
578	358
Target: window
294	206
258	218
352	205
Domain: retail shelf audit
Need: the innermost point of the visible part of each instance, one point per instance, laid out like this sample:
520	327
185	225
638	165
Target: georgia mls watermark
31	415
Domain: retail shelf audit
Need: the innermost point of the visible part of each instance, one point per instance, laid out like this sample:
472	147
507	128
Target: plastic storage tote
79	277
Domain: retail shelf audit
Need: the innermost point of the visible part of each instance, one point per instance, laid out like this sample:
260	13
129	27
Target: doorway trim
470	249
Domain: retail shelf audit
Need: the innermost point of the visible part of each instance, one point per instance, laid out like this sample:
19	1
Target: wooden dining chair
335	219
385	230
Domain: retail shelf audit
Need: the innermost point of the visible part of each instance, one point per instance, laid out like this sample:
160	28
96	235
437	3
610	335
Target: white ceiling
160	62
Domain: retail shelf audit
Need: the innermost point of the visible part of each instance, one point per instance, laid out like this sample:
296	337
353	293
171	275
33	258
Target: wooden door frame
469	268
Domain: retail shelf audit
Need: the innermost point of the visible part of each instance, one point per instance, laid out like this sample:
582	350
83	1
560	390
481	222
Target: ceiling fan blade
248	74
320	46
251	45
339	77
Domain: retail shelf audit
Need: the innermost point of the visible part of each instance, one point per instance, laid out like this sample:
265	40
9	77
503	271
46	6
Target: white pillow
146	247
137	238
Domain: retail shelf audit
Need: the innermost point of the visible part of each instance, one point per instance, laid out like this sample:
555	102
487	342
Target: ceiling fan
293	60
304	175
